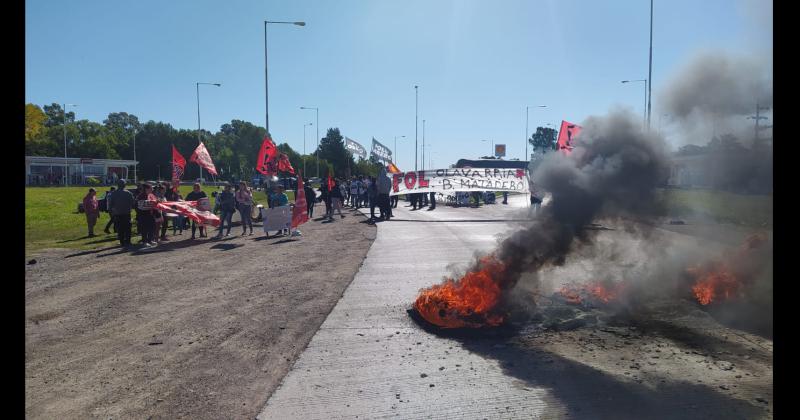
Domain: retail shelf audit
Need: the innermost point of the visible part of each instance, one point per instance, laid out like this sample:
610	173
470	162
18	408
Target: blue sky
478	63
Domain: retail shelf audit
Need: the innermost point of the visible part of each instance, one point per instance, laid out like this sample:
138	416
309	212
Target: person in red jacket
92	209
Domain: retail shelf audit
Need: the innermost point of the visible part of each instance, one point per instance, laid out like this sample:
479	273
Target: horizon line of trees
233	148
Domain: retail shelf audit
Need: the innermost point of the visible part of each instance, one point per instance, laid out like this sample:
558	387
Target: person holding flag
178	164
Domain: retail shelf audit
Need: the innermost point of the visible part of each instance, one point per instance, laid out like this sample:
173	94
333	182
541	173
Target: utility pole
757	117
416	124
650	71
423	145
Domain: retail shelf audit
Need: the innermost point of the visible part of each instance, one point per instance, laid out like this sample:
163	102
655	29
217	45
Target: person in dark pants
108	210
311	198
146	217
227	206
195	195
372	194
393	200
121	203
432	201
505	197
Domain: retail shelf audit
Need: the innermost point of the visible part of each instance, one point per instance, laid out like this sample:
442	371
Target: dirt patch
194	329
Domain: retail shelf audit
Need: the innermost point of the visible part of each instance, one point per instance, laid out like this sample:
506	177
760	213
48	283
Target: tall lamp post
304	146
266	80
527	156
650	68
395	148
645	121
316	152
66	166
423	145
416	123
197	84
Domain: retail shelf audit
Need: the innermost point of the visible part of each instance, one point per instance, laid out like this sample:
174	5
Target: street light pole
650	69
266	79
316	152
527	157
66	166
135	163
197	84
423	145
304	146
395	149
416	119
646	115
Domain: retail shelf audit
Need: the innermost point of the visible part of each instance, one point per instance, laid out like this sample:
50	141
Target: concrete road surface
370	360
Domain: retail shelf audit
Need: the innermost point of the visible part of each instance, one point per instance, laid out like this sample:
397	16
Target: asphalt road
370	360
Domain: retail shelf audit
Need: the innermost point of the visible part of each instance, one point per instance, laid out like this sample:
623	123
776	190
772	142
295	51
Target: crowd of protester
152	225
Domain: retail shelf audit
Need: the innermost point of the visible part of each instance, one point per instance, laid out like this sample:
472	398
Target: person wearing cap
121	203
227	206
311	198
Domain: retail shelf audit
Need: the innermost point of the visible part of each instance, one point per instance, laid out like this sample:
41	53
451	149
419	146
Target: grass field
52	219
720	206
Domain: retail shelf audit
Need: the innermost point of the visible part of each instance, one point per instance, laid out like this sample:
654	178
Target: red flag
178	163
202	158
331	184
267	163
284	165
392	168
567	135
300	210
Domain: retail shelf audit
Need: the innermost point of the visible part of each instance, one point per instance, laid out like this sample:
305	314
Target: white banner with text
459	179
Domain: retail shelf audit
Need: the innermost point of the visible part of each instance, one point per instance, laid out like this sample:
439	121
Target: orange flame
716	281
715	284
468	302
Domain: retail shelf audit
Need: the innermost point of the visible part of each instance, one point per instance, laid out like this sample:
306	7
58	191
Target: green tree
331	148
55	115
543	139
367	167
34	122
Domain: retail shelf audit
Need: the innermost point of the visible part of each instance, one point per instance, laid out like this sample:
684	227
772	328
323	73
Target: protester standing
170	194
179	222
244	199
325	196
354	193
145	215
336	199
196	195
107	209
372	195
92	210
311	198
432	201
280	199
384	187
121	203
227	206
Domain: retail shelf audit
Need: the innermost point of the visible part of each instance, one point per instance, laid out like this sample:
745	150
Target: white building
41	170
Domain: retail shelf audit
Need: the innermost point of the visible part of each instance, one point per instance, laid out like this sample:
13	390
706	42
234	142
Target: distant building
693	171
41	170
